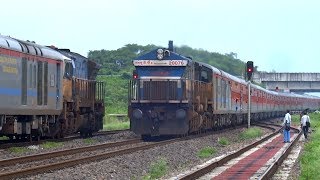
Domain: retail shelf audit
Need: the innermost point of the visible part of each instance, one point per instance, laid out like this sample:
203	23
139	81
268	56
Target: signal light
135	74
249	70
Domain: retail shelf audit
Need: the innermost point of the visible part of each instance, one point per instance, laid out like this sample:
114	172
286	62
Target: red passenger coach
171	94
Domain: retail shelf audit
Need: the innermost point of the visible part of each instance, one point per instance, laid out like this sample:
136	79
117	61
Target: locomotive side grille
159	90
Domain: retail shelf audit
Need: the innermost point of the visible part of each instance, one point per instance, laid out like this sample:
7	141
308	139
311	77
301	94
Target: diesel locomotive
47	92
171	94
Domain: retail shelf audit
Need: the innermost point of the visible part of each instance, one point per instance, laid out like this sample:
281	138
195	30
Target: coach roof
30	48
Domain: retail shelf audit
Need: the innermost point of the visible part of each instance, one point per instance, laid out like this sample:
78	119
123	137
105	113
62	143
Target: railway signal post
249	103
249	71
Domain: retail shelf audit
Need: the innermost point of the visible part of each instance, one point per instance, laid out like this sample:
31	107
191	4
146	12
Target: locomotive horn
170	46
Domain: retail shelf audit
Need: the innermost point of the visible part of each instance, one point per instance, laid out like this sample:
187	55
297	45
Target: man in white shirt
304	119
286	128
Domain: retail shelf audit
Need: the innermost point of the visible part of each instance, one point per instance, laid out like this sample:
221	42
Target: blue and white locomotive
171	94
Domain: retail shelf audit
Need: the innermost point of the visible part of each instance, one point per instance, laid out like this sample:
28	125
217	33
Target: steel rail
42	156
77	161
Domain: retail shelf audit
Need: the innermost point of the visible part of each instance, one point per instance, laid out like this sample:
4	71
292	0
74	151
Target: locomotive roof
30	48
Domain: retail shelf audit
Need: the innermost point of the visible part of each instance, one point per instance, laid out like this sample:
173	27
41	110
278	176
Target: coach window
30	76
34	79
24	81
40	83
45	77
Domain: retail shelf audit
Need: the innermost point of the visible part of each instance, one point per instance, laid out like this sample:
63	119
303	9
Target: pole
249	103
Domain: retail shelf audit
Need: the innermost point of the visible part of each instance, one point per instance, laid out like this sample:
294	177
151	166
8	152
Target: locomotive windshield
160	71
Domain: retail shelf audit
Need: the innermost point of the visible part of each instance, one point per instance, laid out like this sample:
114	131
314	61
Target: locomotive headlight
160	54
137	114
160	51
181	113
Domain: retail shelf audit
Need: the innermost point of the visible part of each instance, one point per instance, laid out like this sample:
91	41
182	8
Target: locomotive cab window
68	70
206	75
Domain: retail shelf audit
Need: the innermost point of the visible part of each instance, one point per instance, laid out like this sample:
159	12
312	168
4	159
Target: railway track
63	159
258	160
34	168
4	144
59	160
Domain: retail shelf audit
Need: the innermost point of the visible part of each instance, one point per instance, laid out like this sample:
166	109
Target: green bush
89	140
223	141
206	152
157	169
250	133
50	144
18	150
113	123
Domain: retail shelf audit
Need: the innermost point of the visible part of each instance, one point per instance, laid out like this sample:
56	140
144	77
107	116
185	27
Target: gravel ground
179	156
36	149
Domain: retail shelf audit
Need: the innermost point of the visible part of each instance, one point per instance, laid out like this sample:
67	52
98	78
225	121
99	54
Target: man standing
286	129
304	119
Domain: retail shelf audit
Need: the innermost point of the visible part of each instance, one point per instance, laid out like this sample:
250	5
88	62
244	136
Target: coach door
58	84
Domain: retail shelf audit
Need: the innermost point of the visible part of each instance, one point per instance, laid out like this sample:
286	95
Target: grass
18	150
4	138
223	141
89	141
49	145
295	120
113	123
250	133
157	170
310	161
206	152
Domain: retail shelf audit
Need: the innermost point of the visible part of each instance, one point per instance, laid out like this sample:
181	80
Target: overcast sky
280	35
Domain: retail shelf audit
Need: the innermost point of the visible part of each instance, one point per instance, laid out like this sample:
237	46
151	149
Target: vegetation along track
251	160
4	144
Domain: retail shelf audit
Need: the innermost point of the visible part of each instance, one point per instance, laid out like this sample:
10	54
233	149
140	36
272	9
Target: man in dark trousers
305	119
286	128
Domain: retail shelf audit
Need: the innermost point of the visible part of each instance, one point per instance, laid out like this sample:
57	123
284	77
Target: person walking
286	129
305	122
